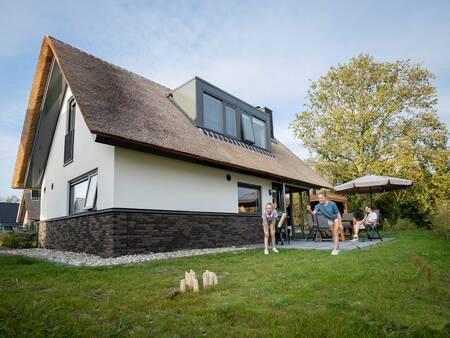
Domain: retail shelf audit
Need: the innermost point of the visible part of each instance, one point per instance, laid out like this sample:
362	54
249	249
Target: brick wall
121	232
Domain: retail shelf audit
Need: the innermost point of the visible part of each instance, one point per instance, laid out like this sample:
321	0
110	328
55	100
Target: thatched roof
123	108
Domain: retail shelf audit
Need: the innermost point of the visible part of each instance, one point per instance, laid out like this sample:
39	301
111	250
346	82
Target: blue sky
265	52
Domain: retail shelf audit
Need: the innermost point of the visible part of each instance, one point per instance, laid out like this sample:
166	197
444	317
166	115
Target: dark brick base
118	232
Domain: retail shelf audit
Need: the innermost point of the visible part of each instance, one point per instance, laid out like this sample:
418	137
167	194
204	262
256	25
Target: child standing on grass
269	216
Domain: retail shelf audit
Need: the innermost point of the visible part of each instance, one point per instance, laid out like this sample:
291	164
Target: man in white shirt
370	218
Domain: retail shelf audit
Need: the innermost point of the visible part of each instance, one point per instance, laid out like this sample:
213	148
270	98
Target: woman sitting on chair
370	218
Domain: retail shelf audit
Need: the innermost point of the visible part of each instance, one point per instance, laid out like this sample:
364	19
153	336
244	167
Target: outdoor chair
372	229
324	228
280	233
347	223
313	227
319	227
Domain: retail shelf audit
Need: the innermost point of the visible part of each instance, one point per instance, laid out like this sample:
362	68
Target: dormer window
212	113
214	110
247	128
230	121
259	131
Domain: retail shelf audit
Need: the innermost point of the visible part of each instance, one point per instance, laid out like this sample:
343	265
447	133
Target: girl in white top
269	216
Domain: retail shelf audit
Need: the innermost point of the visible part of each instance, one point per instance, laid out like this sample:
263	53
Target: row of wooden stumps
190	281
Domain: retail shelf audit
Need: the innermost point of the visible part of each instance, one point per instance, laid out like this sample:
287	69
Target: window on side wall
35	195
83	193
70	132
249	198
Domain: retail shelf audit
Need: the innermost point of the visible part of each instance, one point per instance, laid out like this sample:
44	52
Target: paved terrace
328	244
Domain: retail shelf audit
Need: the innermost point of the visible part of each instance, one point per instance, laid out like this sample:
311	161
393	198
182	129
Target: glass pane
230	115
72	109
78	196
248	199
259	127
212	113
247	129
92	192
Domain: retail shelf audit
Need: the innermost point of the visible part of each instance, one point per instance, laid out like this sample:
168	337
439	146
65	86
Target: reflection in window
230	120
249	199
91	193
247	129
83	193
259	129
212	113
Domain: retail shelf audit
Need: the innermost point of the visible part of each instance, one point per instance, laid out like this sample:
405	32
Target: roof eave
114	140
31	120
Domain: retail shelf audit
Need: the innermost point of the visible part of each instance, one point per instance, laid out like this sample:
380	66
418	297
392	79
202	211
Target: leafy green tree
10	199
378	117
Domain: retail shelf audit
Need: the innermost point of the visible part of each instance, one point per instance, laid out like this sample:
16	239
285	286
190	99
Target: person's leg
272	234
335	231
359	227
356	229
266	236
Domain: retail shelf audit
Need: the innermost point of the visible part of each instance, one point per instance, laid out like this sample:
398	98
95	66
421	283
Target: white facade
87	155
146	181
137	180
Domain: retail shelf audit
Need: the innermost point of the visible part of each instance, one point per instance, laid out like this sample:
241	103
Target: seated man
370	218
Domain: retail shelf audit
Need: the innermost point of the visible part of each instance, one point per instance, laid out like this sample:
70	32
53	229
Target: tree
380	118
10	199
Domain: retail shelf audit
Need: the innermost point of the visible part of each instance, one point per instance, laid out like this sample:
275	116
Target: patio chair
280	233
313	227
347	223
324	228
319	227
372	229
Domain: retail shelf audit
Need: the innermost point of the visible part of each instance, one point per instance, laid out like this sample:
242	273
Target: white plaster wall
88	155
146	181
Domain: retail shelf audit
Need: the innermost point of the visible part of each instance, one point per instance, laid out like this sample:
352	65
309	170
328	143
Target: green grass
377	291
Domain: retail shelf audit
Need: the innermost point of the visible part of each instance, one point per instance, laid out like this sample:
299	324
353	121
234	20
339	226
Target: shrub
18	240
441	220
405	224
388	225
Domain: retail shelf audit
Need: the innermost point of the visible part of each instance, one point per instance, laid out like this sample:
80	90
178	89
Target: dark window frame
35	195
80	179
235	103
222	111
259	199
69	138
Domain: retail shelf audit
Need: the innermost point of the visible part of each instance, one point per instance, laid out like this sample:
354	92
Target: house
29	209
125	165
8	212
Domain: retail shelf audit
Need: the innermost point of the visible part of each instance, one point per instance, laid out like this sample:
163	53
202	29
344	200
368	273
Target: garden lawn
398	288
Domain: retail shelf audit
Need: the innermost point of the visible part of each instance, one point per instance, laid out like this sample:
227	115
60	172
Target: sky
264	52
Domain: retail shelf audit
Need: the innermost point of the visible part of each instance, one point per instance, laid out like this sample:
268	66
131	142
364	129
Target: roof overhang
30	128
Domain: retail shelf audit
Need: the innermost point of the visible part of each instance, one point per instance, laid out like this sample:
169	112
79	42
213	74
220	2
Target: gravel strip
84	259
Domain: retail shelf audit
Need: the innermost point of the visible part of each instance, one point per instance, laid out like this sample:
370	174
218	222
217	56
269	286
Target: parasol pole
371	202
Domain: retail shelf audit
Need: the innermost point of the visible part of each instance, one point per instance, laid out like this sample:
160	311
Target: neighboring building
126	165
8	213
29	209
